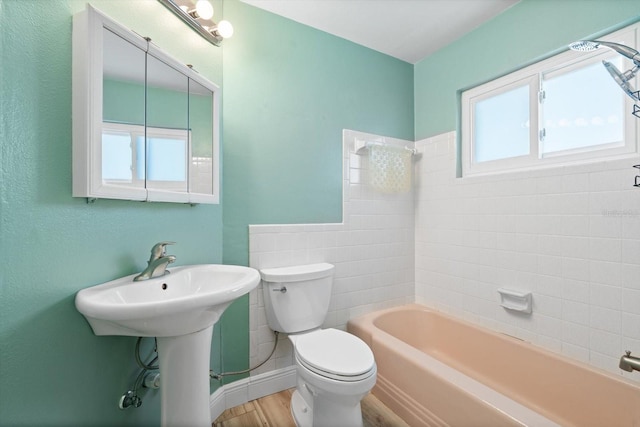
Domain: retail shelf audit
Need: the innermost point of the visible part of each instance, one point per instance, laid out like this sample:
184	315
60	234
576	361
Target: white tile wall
201	171
373	251
570	235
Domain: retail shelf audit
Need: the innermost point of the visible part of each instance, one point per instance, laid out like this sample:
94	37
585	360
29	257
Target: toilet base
312	409
302	414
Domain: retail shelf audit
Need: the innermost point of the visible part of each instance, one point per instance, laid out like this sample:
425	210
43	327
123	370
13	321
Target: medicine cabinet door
145	127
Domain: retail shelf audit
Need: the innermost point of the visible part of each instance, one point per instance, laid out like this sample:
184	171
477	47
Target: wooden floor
273	411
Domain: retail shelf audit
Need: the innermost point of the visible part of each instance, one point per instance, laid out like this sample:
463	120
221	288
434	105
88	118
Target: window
579	119
561	110
161	163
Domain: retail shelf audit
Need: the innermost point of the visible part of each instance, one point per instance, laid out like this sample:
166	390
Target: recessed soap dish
520	301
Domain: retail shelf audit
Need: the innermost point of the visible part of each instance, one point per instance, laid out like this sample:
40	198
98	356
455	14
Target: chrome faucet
629	363
158	262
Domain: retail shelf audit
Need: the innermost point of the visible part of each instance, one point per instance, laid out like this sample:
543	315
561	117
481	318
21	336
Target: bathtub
436	370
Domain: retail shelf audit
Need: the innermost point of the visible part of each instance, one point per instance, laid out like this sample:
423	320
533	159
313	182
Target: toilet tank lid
297	273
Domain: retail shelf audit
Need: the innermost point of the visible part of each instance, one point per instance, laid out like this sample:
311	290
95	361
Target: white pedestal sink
179	309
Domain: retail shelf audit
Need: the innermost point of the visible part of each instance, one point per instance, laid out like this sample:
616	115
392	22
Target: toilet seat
335	354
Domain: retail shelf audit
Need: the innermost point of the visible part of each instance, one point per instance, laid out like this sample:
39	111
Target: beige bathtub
436	370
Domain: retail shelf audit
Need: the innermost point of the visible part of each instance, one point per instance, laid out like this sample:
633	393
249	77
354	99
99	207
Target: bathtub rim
365	327
369	319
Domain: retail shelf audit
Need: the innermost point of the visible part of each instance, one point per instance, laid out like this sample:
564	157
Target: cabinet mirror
145	126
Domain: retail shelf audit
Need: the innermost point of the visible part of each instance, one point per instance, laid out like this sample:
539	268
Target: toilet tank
297	298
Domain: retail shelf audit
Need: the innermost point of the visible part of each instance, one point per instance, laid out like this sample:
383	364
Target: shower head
584	46
623	79
591	45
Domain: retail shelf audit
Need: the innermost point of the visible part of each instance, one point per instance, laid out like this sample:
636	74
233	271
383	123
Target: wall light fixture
199	16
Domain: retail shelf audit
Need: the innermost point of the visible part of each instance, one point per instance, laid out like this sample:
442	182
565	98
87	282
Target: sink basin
187	300
179	309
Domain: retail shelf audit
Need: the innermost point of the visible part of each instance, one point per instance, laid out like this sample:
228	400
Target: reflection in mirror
123	109
167	142
145	126
201	104
118	154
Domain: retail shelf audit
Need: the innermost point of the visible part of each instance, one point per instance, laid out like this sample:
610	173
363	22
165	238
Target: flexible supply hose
139	361
131	398
244	371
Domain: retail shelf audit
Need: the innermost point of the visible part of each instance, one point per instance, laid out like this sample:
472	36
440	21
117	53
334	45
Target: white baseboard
251	388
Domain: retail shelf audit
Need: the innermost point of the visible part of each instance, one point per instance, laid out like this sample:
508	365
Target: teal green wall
528	31
289	92
123	102
53	370
290	95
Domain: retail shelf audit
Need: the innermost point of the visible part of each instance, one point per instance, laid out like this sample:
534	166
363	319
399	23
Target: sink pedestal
184	373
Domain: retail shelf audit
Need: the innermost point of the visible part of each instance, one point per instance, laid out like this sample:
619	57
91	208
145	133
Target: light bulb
225	29
204	9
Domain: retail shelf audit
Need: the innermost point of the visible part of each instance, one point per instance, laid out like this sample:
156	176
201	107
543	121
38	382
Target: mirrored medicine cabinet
145	127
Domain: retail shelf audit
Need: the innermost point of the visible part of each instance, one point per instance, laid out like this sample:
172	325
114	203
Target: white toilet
335	369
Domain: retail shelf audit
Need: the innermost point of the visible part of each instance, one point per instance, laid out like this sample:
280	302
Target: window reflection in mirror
166	148
123	102
117	156
162	161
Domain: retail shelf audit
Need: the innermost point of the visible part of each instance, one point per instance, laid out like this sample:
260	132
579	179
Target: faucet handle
628	353
160	249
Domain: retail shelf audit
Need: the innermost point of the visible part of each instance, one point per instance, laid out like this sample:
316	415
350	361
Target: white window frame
533	76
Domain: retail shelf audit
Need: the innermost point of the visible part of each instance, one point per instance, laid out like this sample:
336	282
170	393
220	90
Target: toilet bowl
335	369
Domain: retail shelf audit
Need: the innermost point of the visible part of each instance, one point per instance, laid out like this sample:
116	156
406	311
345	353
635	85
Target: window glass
501	126
582	109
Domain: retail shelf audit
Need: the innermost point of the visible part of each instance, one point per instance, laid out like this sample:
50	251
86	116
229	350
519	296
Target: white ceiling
406	29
